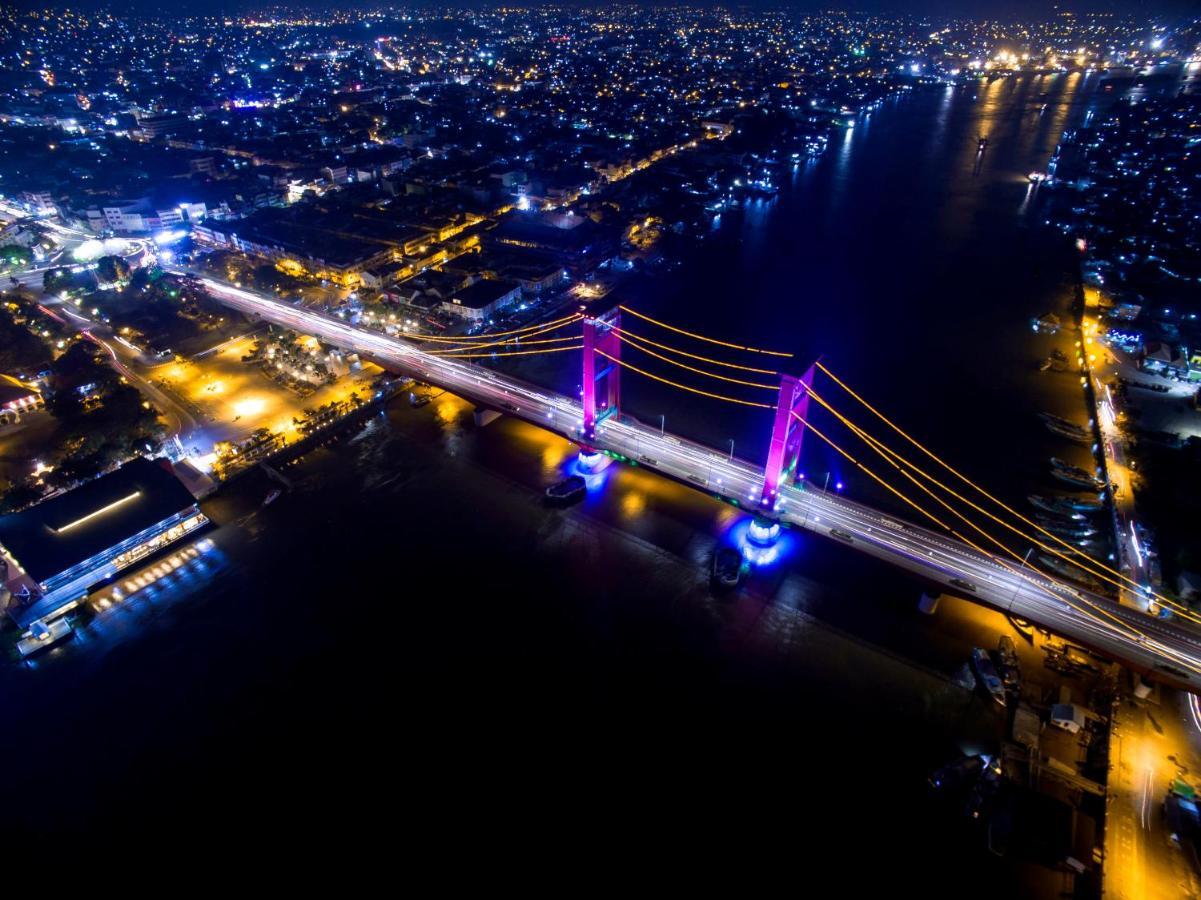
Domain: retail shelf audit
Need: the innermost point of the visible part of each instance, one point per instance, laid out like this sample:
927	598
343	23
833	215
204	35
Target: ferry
1037	177
41	637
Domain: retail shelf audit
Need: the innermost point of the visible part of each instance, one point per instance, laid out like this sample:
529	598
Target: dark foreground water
409	648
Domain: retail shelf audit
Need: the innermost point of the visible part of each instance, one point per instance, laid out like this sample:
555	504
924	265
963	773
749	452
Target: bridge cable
553	326
513	352
984	553
471	339
683	387
625	339
449	353
716	362
1127	579
1085	562
701	337
1025	563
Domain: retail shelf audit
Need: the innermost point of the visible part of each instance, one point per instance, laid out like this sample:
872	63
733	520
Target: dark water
911	265
410	643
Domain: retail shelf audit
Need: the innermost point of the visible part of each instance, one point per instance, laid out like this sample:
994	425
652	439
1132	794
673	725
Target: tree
15	255
56	279
111	269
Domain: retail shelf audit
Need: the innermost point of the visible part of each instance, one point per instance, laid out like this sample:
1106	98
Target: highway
1164	650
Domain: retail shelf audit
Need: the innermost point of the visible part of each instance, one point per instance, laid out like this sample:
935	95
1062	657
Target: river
410	633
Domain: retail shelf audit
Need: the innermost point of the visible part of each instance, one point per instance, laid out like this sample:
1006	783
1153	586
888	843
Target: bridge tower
600	340
786	433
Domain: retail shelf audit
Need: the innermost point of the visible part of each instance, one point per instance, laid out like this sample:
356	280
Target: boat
1058	506
1007	662
1022	627
1046	364
1069	571
569	490
1037	177
1064	505
1060	421
1076	481
1074	474
1079	436
982	145
1065	529
986	674
272	497
726	568
42	637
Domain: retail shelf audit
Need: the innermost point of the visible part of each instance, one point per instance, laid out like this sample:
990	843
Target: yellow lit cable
469	339
626	339
716	362
984	553
511	343
683	387
701	337
1085	563
553	326
515	352
1130	582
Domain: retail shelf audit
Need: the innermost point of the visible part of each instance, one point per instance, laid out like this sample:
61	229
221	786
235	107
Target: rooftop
57	534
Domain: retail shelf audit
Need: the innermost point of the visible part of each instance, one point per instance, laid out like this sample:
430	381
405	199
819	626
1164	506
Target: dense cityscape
687	378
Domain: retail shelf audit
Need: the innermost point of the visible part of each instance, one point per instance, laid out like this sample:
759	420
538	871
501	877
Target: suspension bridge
971	543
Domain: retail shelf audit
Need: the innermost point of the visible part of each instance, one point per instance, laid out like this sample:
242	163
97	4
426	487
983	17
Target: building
16	399
479	301
55	551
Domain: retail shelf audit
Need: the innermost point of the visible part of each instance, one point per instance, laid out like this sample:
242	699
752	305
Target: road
1166	650
123	358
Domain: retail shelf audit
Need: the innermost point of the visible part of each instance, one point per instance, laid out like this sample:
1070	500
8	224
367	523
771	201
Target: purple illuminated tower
786	433
600	342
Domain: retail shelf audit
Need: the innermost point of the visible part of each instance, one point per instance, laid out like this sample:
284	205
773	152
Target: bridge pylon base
593	460
763	532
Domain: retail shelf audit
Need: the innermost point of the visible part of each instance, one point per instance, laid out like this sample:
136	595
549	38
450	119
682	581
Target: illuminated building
56	550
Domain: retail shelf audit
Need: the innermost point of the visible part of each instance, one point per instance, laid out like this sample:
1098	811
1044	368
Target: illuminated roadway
1166	650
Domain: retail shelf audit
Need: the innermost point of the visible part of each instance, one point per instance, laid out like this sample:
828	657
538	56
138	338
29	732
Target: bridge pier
763	532
484	416
928	603
592	461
